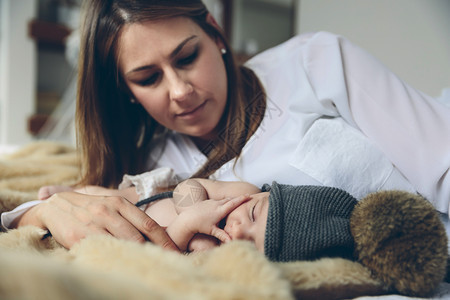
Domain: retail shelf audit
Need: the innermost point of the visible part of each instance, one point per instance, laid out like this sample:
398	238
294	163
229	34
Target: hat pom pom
399	237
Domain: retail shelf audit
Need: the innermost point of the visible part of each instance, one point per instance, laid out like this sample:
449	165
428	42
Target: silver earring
132	101
223	50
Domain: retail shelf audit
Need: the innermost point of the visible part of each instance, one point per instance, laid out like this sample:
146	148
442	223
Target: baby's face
248	221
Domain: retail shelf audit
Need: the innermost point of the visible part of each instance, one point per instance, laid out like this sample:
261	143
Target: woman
158	88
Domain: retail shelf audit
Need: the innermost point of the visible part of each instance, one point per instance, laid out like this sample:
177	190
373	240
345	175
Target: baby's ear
399	236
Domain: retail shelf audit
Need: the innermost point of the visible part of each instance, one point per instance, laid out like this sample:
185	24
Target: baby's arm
191	191
202	217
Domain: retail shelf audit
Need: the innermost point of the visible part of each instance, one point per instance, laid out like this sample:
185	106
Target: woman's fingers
64	227
72	216
148	228
124	220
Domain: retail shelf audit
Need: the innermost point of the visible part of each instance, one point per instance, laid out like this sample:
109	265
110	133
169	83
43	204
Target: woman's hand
71	216
47	191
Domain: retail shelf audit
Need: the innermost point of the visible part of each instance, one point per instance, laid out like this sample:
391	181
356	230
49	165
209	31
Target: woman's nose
179	88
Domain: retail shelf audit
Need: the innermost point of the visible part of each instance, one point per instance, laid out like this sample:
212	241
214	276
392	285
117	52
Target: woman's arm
412	129
193	190
227	189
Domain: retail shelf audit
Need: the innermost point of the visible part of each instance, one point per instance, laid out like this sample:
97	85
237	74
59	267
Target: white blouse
335	116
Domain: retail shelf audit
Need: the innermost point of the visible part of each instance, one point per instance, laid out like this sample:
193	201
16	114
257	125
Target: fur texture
103	267
25	171
400	237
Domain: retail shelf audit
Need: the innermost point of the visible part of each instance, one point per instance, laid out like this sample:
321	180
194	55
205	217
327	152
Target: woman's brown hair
115	137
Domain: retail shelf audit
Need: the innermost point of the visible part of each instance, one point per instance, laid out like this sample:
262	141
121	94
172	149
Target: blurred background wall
17	70
412	37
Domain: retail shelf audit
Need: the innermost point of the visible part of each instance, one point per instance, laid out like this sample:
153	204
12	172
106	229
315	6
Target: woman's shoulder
310	39
295	54
301	42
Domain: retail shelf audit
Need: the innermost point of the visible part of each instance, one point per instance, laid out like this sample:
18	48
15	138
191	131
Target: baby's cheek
259	242
260	248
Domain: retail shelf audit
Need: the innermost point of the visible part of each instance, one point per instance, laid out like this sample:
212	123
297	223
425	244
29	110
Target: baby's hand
47	191
203	216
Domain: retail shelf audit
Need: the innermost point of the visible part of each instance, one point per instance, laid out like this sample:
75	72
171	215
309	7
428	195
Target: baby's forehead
263	196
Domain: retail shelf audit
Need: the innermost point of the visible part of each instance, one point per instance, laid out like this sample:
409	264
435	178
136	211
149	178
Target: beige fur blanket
101	267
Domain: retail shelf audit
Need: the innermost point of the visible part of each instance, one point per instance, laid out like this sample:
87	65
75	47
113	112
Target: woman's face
176	72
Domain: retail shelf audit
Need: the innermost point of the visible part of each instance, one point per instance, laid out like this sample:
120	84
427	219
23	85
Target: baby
285	222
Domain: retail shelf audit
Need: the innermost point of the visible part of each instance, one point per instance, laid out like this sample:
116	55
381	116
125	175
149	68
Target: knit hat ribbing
308	222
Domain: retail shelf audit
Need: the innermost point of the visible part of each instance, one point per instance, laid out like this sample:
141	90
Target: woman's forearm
10	217
29	217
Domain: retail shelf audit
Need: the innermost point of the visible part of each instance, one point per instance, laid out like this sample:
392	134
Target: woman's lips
192	113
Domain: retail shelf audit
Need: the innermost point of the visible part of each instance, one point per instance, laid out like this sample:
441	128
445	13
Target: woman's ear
212	21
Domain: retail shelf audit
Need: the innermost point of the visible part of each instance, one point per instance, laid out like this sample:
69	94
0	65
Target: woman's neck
204	145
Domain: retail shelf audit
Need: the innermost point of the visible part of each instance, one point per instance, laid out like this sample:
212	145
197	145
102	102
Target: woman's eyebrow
172	54
180	46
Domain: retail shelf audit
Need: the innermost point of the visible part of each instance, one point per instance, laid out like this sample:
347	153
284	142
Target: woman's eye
188	59
150	80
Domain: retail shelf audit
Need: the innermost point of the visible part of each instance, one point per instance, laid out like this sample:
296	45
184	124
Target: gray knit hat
308	222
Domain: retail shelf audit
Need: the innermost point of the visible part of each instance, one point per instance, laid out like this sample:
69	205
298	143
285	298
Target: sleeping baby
285	222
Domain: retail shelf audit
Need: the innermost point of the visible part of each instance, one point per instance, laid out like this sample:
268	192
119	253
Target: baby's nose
236	231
